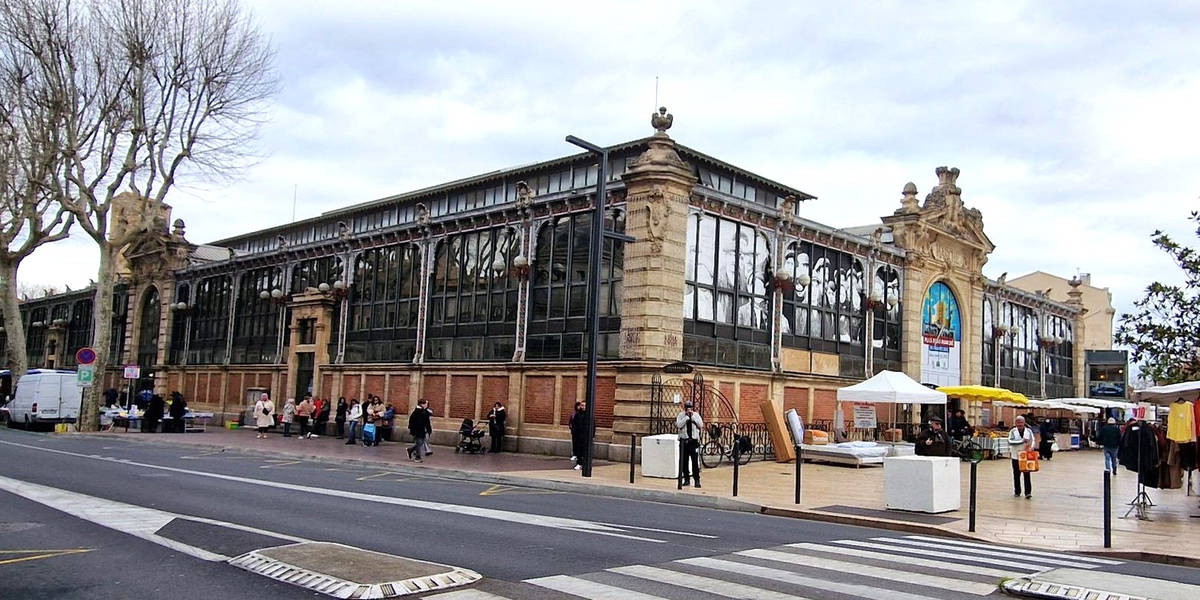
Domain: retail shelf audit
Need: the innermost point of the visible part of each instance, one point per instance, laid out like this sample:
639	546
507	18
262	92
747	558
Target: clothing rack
1141	503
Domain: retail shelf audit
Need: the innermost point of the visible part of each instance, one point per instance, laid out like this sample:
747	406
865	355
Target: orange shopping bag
1028	461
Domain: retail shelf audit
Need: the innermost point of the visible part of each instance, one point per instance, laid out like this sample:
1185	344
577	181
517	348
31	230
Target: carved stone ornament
662	120
661	154
422	216
524	195
658	213
909	204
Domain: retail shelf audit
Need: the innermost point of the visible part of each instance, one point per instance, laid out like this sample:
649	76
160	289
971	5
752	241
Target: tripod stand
1141	503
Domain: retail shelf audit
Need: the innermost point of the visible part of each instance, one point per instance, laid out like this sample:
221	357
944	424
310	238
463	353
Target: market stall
990	434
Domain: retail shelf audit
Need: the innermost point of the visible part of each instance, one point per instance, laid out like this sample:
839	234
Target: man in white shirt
690	425
1020	438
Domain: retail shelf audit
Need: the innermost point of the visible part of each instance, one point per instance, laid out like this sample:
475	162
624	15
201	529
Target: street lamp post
598	235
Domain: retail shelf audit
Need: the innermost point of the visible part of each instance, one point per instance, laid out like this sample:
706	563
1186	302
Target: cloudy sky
1075	124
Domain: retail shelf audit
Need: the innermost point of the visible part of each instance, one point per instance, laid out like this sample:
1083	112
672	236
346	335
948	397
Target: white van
45	396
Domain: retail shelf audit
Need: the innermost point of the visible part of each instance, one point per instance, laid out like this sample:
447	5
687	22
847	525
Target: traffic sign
85	356
85	375
132	371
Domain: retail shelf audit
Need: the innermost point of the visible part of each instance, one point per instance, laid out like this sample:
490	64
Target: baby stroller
470	438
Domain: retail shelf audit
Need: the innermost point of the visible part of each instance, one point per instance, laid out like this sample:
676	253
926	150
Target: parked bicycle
966	449
725	444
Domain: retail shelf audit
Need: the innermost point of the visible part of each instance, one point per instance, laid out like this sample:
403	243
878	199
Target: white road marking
1001	553
457	509
589	589
465	595
1102	561
865	570
700	583
852	589
909	560
997	562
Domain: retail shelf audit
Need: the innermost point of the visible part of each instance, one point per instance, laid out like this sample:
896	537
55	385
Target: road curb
876	523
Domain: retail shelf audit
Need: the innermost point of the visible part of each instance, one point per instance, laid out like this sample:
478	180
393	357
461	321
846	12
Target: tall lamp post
598	235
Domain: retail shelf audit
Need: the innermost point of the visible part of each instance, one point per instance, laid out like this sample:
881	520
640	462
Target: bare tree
31	175
153	89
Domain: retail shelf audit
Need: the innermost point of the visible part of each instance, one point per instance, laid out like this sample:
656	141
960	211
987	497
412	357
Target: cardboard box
893	435
813	437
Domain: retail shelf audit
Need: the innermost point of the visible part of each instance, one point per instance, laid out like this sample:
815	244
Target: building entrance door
304	374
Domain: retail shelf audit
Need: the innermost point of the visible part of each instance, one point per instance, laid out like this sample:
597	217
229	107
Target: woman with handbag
1020	439
262	415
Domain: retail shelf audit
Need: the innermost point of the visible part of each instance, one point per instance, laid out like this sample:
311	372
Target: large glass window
988	347
828	314
559	289
383	305
1060	363
120	319
147	351
179	325
79	329
1019	353
727	298
256	320
35	336
886	329
312	273
473	304
210	321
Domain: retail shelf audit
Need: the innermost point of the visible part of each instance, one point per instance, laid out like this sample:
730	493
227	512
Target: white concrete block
922	483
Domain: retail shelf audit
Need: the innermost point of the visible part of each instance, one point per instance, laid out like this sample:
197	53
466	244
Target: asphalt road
509	535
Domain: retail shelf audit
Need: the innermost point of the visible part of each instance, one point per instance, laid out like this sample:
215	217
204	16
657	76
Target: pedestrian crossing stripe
909	560
996	562
590	589
999	553
701	583
865	570
1101	561
780	575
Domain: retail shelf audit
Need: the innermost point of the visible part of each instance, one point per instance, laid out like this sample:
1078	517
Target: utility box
660	456
930	484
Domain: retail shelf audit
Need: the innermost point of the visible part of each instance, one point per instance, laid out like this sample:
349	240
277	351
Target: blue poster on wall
941	337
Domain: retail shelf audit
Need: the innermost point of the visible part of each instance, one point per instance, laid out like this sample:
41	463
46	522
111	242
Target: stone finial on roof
908	204
662	120
178	226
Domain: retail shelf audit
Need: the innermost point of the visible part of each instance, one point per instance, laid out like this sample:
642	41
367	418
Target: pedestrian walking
263	417
289	415
1109	438
340	417
353	418
578	426
419	427
1020	439
304	412
496	418
1046	431
934	441
690	425
425	443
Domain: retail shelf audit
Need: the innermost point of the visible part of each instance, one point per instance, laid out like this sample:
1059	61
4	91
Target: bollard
736	455
679	472
971	521
799	460
632	451
1107	509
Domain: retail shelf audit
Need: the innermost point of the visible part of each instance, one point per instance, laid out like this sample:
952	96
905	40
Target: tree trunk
18	360
89	418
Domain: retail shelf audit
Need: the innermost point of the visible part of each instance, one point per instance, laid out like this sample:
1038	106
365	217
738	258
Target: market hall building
474	291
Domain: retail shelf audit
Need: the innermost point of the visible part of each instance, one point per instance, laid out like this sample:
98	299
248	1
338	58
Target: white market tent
1096	403
890	387
1166	394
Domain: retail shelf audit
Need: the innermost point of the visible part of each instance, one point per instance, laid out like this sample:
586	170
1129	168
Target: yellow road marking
380	474
510	489
280	464
44	554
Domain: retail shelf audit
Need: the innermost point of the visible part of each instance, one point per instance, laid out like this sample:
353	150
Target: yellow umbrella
983	393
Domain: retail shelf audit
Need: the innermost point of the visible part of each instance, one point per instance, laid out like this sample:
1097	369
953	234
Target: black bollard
971	522
799	460
1107	509
736	456
679	474
632	451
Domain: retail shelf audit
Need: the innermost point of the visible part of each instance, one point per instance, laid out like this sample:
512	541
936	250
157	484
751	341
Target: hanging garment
1196	418
1181	422
1170	473
1139	453
1187	456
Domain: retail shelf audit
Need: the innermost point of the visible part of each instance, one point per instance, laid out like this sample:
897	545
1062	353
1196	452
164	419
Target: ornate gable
942	229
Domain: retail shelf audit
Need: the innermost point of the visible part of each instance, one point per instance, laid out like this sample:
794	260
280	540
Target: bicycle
714	451
966	449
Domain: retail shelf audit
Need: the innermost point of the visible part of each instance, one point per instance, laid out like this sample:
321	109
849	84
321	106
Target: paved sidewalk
1065	512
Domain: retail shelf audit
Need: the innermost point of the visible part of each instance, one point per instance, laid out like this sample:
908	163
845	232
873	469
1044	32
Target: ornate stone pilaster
522	266
309	304
428	247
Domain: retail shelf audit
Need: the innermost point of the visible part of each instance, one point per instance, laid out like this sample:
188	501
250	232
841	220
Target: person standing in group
387	421
933	441
496	418
1020	439
289	415
1109	437
340	417
419	426
177	411
263	417
960	427
578	426
320	407
1046	431
353	416
304	413
689	425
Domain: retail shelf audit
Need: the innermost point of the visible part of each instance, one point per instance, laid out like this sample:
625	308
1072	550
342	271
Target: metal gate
720	419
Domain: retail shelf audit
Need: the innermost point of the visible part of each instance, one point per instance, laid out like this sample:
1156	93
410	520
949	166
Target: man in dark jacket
154	413
933	441
1109	437
420	427
959	426
178	409
496	420
578	427
1046	431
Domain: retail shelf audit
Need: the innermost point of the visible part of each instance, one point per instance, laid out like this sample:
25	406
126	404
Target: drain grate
1058	591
